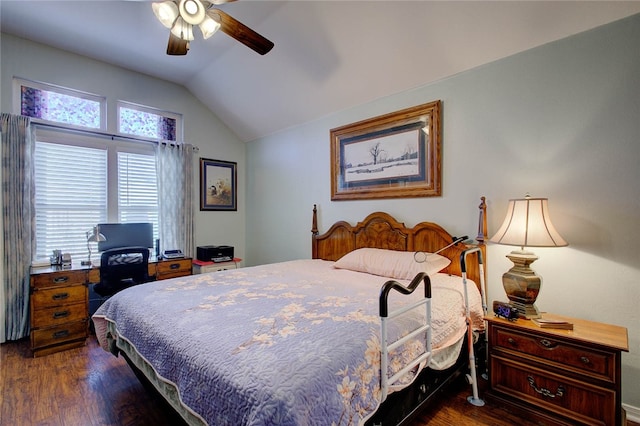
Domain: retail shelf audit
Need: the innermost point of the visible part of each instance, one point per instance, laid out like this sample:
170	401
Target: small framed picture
218	185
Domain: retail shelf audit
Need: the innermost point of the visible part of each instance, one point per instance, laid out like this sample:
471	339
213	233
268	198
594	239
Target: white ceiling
328	55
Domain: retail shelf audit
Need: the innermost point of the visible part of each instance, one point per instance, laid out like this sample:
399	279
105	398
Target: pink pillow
400	265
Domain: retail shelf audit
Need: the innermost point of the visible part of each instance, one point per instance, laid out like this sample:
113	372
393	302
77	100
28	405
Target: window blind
70	197
137	189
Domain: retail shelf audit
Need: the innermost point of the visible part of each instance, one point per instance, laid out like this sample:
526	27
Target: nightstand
558	376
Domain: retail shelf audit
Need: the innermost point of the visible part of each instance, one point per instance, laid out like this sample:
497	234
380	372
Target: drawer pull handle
61	314
62	279
585	360
174	266
543	391
60	296
511	341
547	343
60	334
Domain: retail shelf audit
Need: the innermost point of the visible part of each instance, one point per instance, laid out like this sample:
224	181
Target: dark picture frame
218	185
390	156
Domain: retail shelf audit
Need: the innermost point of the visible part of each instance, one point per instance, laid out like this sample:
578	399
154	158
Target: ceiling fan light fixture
209	27
182	29
166	12
192	11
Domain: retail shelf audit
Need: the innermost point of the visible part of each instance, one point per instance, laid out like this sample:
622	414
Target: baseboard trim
633	413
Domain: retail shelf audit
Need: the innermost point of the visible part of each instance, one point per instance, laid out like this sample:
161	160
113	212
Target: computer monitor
125	235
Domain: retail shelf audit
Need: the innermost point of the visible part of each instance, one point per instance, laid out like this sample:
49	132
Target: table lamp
527	224
93	236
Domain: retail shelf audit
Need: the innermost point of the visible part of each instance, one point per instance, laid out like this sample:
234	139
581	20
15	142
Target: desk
59	302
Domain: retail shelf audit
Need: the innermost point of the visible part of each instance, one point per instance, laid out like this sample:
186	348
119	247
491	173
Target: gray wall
560	121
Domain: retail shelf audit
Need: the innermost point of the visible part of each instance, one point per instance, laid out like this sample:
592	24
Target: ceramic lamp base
521	284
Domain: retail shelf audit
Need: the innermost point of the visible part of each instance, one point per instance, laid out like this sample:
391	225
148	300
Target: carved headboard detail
381	230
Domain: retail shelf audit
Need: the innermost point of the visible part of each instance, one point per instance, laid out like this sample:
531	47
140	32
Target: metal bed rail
386	316
473	399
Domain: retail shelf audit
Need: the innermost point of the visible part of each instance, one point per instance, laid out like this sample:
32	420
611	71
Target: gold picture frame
396	155
218	185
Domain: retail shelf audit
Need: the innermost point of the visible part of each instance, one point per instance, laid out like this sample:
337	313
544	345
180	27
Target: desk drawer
581	359
59	334
59	296
581	402
59	315
59	278
173	268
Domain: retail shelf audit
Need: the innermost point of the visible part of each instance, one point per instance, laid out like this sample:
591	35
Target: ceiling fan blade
241	32
177	46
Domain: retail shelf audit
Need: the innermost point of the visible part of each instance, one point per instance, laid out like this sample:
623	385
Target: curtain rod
106	135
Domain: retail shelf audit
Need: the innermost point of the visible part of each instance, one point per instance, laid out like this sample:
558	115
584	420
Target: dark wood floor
90	387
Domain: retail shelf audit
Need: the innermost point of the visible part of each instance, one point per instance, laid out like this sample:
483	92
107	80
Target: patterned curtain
175	196
17	222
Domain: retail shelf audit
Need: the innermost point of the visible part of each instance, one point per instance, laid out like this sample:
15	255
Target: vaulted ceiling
328	55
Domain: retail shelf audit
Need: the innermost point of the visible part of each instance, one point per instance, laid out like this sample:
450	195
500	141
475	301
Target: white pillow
400	265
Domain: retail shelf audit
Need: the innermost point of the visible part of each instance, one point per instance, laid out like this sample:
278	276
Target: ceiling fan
180	16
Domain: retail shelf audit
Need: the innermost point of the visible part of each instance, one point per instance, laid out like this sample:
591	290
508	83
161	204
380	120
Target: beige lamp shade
527	224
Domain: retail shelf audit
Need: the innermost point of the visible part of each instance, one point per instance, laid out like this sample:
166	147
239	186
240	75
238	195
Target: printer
214	253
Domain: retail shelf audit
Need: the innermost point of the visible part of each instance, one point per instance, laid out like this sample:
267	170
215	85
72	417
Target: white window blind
137	189
70	197
83	181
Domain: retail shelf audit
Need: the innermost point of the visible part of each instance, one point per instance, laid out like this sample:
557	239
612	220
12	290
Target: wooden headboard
381	230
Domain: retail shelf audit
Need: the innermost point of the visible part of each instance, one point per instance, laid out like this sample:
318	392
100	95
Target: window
49	103
84	176
73	194
145	122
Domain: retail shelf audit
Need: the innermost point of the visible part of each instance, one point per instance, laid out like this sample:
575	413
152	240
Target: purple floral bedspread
293	343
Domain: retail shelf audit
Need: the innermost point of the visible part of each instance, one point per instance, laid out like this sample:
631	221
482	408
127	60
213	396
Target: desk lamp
527	224
93	236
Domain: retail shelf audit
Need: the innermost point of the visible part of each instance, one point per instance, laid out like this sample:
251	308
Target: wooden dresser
60	304
557	376
59	309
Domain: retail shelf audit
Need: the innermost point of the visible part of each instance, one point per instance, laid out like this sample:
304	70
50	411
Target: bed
298	342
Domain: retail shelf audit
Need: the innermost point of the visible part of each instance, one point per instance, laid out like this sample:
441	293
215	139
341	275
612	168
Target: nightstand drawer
59	334
59	315
578	401
59	278
59	296
599	364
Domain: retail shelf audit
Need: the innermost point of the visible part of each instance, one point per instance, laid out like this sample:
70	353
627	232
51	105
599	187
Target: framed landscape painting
218	185
389	156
